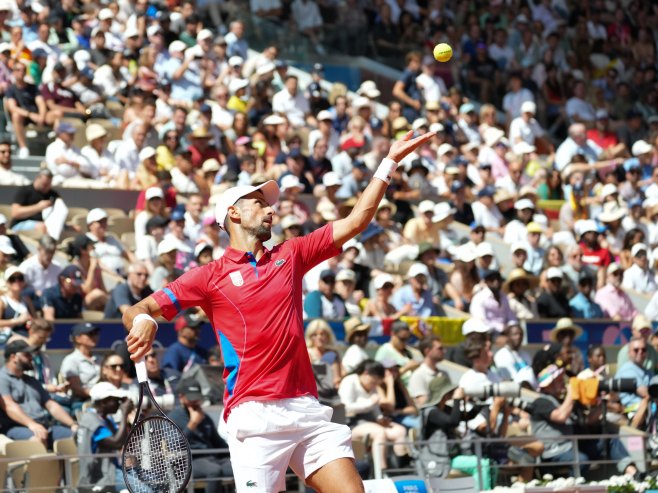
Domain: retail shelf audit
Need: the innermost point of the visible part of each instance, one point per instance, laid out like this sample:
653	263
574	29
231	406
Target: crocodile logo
251	484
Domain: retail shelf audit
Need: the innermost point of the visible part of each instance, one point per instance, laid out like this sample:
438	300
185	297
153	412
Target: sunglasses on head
16	279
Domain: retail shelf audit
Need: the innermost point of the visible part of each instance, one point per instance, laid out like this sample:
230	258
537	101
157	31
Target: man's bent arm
141	335
365	208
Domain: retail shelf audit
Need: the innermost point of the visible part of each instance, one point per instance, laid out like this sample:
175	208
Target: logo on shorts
251	484
280	262
236	278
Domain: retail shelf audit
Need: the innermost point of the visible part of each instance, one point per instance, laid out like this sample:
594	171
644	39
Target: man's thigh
19	433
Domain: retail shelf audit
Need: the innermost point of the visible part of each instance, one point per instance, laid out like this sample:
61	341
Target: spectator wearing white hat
154	206
612	299
103	166
291	187
593	253
166	270
464	278
291	102
468	123
553	301
379	305
108	249
516	97
640	276
145	176
526	128
327	132
186	83
516	230
415	297
346	289
422	228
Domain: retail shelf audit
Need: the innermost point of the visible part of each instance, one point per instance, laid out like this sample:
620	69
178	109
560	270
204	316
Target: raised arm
365	208
142	333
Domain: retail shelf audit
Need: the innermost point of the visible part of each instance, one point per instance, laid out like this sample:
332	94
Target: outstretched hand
402	148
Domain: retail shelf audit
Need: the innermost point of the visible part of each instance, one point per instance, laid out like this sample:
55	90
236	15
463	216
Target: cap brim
193	396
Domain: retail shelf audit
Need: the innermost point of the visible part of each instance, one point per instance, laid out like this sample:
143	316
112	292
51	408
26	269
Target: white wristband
144	316
385	170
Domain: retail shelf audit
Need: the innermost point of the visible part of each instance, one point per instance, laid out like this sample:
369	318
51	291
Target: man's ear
233	212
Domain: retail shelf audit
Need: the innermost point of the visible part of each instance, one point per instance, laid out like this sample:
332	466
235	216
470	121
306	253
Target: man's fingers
409	135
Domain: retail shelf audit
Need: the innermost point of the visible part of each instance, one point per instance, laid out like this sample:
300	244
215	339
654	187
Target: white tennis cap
229	197
96	215
103	390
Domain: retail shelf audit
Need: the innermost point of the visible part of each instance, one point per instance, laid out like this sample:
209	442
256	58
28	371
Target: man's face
641	259
436	354
255	215
139	136
493	282
45	256
291	85
638	352
194	206
5	156
24	361
326	286
614	278
98	228
189	335
43	183
554	284
138	278
400	339
419	282
69	287
515	336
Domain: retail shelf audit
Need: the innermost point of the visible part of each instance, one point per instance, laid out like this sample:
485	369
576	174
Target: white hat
266	68
177	46
613	267
417	269
426	206
473	325
442	211
331	179
103	390
382	279
519	245
95	215
290	181
230	196
154	193
444	149
130	32
324	115
521	204
80	57
200	247
612	212
6	5
6	247
105	14
11	270
585	226
369	89
436	127
639	247
168	245
3	220
608	189
420	122
346	275
492	135
465	253
204	34
95	131
529	107
210	165
236	84
523	148
289	221
274	120
483	249
641	147
554	273
328	212
146	153
361	102
235	61
154	29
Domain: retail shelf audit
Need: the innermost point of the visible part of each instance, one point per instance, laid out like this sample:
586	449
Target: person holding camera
553	420
636	403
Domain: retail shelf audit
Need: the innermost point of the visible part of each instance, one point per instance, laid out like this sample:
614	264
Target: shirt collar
238	256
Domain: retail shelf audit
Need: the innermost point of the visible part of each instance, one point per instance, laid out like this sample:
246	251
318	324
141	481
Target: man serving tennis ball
253	298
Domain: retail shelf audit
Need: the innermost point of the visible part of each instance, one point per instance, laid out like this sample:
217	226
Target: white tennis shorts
265	437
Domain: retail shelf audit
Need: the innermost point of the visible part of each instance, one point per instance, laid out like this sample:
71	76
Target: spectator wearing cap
640	276
631	189
201	433
184	74
485	212
433	353
615	303
15	309
201	148
490	303
553	301
423	229
464	278
576	143
517	229
518	286
40	270
353	184
406	89
166	269
184	178
102	165
107	248
468	123
145	176
324	302
291	102
463	211
472	329
99	434
415	298
399	351
30	201
291	227
593	253
127	155
7	176
356	337
346	289
526	128
25	105
155	207
518	95
582	305
29	412
80	368
80	253
124	295
65	300
186	351
326	132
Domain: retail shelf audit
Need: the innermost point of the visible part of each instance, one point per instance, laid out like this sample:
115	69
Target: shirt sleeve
312	249
191	289
542	409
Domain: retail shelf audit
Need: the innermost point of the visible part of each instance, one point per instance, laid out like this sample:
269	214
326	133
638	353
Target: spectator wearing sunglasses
15	312
636	403
80	368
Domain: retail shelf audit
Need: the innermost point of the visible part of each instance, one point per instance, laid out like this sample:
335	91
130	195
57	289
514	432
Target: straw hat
565	324
353	326
518	275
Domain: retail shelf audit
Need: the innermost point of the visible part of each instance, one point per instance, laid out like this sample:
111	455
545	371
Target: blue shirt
583	307
180	358
641	376
188	86
423	307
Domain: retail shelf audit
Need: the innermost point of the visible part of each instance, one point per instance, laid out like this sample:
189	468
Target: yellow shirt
417	232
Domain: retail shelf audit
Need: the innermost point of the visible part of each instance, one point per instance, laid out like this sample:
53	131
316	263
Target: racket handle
140	369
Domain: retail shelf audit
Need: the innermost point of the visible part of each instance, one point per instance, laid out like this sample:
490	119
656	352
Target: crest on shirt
280	262
236	278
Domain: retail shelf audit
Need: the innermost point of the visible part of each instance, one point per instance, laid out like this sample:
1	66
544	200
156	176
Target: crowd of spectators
546	144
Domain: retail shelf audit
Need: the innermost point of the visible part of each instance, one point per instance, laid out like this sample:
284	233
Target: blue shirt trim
172	297
231	363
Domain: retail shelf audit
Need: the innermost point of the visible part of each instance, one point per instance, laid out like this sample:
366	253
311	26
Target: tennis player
253	298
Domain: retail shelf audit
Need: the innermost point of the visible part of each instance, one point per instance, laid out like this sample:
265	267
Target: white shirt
256	5
9	177
639	280
102	164
520	130
104	77
182	183
353	357
487	217
127	157
294	107
515	231
192	228
58	149
432	87
499	53
332	146
515	364
513	100
38	277
568	149
109	252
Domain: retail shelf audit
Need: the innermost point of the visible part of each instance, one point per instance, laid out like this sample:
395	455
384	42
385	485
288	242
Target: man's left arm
57	412
364	210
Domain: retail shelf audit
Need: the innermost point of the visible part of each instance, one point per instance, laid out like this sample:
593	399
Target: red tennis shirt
255	309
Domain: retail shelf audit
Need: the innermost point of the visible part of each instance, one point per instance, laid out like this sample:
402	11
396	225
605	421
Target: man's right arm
561	414
16	413
142	334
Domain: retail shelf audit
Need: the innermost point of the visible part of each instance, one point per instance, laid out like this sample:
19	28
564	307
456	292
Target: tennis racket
156	457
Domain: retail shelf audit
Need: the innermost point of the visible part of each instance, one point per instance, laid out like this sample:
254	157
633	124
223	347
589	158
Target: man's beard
261	232
26	365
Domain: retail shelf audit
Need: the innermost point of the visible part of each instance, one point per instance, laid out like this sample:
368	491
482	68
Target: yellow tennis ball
443	52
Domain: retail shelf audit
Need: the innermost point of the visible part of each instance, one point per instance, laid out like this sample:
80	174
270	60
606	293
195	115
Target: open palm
401	148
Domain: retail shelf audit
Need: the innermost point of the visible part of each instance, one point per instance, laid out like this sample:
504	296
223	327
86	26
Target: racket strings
156	458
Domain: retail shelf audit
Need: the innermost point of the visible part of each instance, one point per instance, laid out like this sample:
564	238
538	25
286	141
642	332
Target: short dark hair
426	344
371	367
473	348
